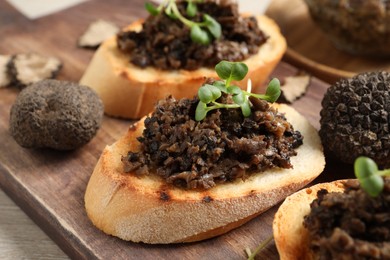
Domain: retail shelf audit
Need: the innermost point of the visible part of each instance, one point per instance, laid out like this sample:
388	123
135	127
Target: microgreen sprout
229	71
369	176
259	248
201	32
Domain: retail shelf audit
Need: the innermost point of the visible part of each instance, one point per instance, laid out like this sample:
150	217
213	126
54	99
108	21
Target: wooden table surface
21	238
310	48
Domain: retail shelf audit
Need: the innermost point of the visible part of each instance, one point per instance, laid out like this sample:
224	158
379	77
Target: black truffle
55	114
355	118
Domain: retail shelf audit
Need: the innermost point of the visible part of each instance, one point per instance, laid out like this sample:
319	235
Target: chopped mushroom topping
166	44
96	33
350	224
25	69
223	147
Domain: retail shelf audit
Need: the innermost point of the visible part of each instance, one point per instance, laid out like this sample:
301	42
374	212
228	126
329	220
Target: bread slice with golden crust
146	209
131	92
291	238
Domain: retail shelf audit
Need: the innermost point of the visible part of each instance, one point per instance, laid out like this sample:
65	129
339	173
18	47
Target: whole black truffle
55	114
355	118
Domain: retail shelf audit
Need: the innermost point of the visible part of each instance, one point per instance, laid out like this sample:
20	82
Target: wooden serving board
49	185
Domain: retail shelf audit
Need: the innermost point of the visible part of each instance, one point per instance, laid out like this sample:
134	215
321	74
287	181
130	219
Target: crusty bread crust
131	92
146	209
291	238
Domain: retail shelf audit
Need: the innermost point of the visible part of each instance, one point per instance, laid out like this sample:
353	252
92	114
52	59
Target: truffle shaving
4	78
25	69
96	33
295	87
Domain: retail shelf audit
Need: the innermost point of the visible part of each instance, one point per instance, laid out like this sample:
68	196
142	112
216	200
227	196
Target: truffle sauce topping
221	148
165	43
350	225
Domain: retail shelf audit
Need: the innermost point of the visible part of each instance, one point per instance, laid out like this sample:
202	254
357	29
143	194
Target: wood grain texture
21	238
307	39
49	185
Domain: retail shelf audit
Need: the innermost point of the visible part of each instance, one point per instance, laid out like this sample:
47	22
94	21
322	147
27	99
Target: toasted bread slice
291	238
146	209
131	92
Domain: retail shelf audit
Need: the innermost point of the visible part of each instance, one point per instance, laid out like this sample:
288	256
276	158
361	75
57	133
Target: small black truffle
355	118
55	114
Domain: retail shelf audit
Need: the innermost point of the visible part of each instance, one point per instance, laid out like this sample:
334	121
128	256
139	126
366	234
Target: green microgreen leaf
239	99
199	35
273	90
205	95
259	248
220	85
152	9
231	71
201	111
170	12
216	92
234	90
228	71
272	93
212	25
373	185
367	173
208	93
246	108
201	32
192	9
364	167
